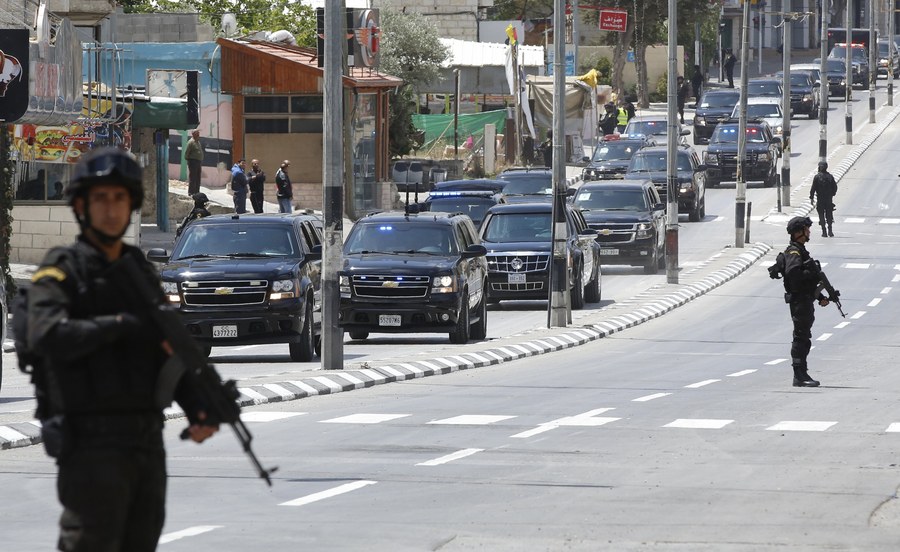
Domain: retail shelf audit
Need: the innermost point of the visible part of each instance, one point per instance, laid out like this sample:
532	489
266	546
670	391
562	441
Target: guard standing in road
801	286
546	148
825	186
682	94
607	123
101	363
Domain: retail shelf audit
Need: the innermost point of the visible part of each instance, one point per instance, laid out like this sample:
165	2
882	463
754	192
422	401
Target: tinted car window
612	200
761	110
835	65
518	227
613	151
763	89
719	100
400	237
475	207
656	161
536	184
237	240
658	128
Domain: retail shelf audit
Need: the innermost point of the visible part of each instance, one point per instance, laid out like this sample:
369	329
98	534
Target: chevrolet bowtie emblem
390	284
605	232
224	291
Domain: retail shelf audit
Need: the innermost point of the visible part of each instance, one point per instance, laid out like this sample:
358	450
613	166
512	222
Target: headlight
344	284
712	159
763	156
170	289
843	82
807	97
699	121
779	129
443	284
282	289
643	230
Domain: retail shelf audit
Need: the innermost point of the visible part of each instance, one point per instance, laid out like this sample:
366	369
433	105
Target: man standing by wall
285	191
239	186
193	154
730	61
257	179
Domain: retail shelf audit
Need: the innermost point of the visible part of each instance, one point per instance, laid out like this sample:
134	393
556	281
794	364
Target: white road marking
823	337
11	434
646	398
889	221
854	220
244	348
842	325
874	302
339	490
189	532
741	373
893	428
364	418
450	457
860	266
801	426
255	416
471	419
885	291
776	361
858	315
701	383
585	419
689	423
896	278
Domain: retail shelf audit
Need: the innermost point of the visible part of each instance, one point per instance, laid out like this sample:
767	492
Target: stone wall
454	18
157	27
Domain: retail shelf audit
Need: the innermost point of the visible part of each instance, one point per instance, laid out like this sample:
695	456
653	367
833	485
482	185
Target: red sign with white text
613	20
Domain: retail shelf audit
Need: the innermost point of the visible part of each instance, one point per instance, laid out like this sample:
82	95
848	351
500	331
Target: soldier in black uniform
825	186
199	211
101	363
801	284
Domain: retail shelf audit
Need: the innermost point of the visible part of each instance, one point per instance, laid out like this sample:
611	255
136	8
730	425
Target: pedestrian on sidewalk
239	186
730	60
825	186
256	178
697	80
682	92
284	188
193	154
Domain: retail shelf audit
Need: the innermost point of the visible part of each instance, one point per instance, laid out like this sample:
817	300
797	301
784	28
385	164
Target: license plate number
515	279
224	331
388	319
609	251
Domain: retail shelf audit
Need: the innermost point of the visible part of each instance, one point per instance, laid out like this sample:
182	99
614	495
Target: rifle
833	295
187	360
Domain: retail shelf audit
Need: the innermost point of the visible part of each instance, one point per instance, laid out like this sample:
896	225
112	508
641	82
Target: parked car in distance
804	93
611	156
414	273
655	128
630	220
520	250
762	150
247	279
762	109
715	106
651	164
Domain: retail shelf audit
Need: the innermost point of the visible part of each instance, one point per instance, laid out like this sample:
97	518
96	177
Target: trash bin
438	174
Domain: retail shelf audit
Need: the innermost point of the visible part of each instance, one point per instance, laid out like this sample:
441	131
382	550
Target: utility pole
785	197
559	312
823	83
333	179
674	130
890	85
848	113
760	45
740	200
873	63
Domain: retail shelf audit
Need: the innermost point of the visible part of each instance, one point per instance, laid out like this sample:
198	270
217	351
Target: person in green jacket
193	154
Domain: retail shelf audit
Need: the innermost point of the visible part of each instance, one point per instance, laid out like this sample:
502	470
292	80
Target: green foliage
602	64
661	92
6	206
411	48
402	132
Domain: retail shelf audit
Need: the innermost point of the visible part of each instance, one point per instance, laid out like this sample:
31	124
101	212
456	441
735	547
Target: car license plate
515	278
224	331
388	319
609	251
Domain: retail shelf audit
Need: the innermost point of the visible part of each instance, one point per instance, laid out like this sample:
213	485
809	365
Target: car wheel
577	294
592	291
652	264
460	333
479	328
694	215
814	112
302	351
358	334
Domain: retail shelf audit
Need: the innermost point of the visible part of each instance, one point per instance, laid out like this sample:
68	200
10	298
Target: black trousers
802	315
195	167
256	201
825	208
113	498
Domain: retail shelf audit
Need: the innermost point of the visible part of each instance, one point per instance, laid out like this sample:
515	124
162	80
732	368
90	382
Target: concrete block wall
158	27
454	18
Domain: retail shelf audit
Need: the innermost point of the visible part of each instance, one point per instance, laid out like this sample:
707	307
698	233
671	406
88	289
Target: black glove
119	325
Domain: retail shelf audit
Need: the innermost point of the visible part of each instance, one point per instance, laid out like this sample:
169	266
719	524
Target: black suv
519	249
804	93
611	157
474	203
248	279
414	273
651	163
714	107
630	220
836	73
529	184
762	150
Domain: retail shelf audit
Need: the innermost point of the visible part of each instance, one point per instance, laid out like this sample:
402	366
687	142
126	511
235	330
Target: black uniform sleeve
801	275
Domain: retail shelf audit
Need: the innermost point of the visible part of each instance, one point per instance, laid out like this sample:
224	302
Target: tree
411	51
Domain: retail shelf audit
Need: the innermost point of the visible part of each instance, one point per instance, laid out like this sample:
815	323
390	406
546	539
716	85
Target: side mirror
585	159
659	207
589	232
700	168
315	253
570	192
474	250
158	255
685	132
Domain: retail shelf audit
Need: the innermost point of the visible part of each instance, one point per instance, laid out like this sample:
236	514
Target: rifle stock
219	398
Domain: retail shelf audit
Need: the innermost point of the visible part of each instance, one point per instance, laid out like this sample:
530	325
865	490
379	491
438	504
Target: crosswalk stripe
364	418
801	426
697	423
450	457
471	419
339	490
189	532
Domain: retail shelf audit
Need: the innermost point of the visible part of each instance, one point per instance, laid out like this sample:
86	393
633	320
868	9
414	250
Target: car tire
303	350
479	329
814	112
460	333
694	215
652	264
576	295
592	291
358	334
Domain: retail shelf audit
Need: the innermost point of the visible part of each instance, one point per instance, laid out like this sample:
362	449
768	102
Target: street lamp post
848	113
873	67
785	196
740	200
674	130
823	84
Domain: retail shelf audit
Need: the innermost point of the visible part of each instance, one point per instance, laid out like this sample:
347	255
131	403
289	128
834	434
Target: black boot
830	232
824	233
803	379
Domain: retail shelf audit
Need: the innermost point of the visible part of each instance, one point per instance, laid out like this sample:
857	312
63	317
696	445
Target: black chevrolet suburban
248	279
414	273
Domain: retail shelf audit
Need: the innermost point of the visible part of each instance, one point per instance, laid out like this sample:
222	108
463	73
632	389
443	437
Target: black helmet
108	163
797	224
200	198
823	166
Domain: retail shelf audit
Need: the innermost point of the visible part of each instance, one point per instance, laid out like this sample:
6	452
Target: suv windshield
614	151
401	237
475	207
518	227
612	200
656	162
236	240
719	100
528	184
859	54
883	49
647	128
724	134
763	89
759	111
835	66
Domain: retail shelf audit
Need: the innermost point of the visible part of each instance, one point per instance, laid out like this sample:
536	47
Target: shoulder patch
49	272
793	252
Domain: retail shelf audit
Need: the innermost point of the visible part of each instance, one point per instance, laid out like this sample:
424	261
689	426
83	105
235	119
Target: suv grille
225	293
614	232
400	287
518	263
731	158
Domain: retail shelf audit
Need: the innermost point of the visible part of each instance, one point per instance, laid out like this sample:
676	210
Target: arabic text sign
613	20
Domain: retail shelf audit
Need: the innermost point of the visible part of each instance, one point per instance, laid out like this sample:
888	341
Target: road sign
613	20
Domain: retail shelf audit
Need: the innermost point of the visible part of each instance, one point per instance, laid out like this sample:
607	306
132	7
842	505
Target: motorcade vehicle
762	151
762	109
611	156
764	87
655	128
815	71
494	185
474	203
804	92
651	164
858	35
836	73
888	56
246	280
520	251
630	220
715	106
414	273
529	184
859	57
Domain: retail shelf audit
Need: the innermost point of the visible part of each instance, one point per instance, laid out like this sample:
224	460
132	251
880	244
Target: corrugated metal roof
465	53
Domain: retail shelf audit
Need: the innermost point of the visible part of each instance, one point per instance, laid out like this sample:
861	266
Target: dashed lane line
741	373
874	302
646	398
824	337
322	495
696	423
364	418
776	361
189	532
471	419
857	315
451	457
800	426
701	383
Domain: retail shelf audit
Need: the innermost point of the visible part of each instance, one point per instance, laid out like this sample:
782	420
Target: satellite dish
229	24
